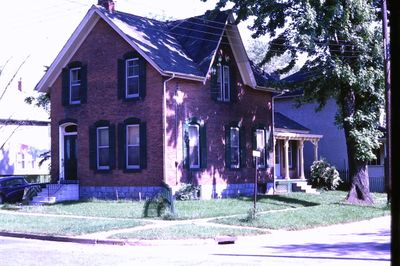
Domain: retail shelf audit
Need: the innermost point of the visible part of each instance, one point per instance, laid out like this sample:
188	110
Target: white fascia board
296	136
266	89
184	76
68	50
214	55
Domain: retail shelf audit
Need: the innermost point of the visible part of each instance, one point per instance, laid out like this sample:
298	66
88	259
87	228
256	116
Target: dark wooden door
70	158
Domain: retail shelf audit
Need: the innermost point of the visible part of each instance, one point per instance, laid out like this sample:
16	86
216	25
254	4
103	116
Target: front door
70	158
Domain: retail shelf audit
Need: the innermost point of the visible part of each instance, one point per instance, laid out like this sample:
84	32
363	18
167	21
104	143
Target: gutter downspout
273	132
164	115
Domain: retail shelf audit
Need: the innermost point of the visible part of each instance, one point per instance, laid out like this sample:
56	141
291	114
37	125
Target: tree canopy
343	43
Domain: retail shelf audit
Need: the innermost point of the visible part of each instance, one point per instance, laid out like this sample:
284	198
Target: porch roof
297	136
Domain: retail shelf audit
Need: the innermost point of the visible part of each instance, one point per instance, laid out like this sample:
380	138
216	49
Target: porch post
315	142
273	159
286	146
301	159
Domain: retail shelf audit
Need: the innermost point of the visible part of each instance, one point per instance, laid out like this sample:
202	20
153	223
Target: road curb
115	242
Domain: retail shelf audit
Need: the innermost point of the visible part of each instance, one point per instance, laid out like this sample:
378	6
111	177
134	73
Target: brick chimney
109	5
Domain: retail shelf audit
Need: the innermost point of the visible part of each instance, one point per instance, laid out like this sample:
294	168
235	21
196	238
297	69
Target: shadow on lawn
282	199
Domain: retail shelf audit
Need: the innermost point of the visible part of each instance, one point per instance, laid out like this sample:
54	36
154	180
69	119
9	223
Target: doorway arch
68	163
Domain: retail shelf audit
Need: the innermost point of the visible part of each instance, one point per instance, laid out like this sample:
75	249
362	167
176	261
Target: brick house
136	103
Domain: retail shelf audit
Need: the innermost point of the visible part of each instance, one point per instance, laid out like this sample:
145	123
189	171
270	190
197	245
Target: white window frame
261	146
234	146
224	81
99	147
127	77
75	83
191	165
127	145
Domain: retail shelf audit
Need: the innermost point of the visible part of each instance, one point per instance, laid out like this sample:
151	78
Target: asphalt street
362	243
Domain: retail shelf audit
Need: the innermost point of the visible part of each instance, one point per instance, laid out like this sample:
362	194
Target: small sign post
256	154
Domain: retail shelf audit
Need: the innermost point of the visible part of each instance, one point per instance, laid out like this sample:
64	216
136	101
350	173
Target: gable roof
283	122
183	48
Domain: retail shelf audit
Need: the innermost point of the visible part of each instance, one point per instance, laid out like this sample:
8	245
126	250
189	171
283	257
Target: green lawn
331	209
184	209
186	231
61	226
291	212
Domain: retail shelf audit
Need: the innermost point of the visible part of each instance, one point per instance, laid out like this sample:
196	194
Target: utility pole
386	50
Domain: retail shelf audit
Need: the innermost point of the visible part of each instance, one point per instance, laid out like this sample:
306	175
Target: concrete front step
306	188
64	192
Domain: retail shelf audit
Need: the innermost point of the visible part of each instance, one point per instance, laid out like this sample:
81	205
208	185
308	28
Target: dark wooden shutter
121	79
268	145
92	148
142	78
143	146
254	143
84	84
215	88
121	146
227	146
203	146
112	146
232	85
65	87
185	146
242	143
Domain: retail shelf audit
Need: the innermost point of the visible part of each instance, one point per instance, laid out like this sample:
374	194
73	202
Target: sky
36	31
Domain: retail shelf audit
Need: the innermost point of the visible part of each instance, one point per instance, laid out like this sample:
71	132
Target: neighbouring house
22	144
136	103
290	141
332	146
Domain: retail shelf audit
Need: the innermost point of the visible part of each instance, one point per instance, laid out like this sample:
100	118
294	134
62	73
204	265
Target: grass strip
62	226
186	231
304	218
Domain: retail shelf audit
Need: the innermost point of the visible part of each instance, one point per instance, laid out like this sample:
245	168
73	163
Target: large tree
343	43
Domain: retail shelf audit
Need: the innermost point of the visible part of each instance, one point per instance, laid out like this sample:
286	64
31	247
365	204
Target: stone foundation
114	193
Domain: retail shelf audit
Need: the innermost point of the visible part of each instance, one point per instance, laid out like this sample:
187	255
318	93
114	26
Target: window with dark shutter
223	85
102	146
131	77
260	143
235	146
74	84
132	145
195	144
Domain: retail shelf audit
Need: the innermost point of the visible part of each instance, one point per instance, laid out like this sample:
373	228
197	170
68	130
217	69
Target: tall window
103	148
223	83
74	85
132	78
133	147
260	146
234	147
194	146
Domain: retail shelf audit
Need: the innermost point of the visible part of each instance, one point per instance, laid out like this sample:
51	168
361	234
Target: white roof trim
71	46
296	136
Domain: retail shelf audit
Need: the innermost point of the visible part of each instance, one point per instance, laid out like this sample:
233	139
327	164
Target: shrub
155	206
324	176
188	192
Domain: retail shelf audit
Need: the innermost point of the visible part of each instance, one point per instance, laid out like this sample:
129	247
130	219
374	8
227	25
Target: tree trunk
359	189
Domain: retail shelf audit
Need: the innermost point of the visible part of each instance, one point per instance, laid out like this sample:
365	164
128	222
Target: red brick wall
100	52
252	107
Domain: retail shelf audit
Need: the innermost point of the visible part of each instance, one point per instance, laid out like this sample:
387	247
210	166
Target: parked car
13	188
